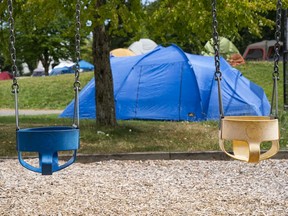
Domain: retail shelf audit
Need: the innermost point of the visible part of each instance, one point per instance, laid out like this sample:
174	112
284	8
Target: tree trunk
45	59
104	91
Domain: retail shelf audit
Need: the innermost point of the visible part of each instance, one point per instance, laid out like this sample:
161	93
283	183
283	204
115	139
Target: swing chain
276	61
277	38
218	74
77	84
77	42
15	86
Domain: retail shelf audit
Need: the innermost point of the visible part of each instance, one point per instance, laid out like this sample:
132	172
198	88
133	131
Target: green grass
128	136
53	92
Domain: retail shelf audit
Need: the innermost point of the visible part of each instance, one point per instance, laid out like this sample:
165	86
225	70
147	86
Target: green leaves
189	22
124	17
49	26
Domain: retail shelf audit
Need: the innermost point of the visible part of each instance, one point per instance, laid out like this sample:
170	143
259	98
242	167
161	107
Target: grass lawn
128	136
53	92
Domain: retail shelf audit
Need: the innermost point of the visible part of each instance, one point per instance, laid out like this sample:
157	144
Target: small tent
64	67
120	52
142	46
68	67
5	75
66	63
227	49
39	71
262	51
85	66
63	70
168	84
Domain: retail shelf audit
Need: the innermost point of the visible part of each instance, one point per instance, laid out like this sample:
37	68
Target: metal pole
285	52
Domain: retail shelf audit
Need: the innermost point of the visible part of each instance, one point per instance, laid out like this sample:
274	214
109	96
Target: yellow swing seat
246	134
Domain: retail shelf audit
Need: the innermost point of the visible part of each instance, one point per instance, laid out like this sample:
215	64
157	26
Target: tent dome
5	75
263	50
122	52
226	47
168	84
142	46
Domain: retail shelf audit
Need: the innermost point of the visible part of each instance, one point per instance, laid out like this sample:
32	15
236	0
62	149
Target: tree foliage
188	23
44	31
121	17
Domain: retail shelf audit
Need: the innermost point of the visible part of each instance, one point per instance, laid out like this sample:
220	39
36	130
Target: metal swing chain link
77	42
77	84
277	38
217	74
276	59
15	86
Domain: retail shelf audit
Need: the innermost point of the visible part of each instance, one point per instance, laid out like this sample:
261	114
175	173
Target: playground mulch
152	187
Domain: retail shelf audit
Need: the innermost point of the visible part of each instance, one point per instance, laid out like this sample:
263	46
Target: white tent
25	68
64	64
142	46
39	71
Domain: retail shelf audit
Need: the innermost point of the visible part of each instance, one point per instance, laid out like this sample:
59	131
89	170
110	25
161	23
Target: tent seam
137	97
132	68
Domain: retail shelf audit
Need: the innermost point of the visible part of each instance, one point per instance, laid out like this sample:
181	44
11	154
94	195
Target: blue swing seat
47	141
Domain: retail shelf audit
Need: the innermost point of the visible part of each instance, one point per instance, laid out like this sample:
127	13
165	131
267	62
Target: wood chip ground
136	188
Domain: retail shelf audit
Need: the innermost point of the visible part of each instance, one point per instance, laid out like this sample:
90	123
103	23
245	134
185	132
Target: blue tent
168	84
63	70
86	66
83	65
